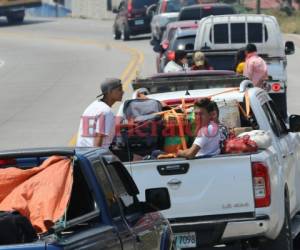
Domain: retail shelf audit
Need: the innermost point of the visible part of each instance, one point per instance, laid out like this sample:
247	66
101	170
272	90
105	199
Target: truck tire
16	18
125	33
117	34
284	240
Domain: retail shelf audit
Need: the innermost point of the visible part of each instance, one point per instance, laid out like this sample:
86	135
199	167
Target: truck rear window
238	33
140	4
184	43
176	5
199	13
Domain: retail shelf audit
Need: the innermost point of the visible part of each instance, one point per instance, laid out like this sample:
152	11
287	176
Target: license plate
185	240
139	22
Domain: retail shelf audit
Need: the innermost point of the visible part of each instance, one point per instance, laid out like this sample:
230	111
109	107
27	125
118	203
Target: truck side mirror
289	48
294	121
159	198
150	11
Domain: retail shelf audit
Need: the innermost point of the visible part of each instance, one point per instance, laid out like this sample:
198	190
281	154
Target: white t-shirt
172	67
97	118
208	139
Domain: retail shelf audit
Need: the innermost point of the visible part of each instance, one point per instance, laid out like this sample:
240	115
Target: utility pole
258	6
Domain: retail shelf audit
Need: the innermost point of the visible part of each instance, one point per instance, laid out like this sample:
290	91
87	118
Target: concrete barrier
90	9
49	10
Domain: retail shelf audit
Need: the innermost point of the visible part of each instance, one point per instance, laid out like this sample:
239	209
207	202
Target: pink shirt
256	69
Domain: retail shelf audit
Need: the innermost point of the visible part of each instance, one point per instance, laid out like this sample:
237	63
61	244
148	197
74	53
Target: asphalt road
50	70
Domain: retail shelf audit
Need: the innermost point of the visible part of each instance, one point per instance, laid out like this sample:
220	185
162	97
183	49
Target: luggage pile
147	127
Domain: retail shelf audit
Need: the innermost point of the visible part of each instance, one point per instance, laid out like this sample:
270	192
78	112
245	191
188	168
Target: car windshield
184	43
176	5
139	4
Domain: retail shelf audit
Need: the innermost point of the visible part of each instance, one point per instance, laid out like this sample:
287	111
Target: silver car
165	12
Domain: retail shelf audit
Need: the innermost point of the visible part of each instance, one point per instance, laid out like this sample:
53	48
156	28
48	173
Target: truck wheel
153	40
117	34
15	18
125	33
284	240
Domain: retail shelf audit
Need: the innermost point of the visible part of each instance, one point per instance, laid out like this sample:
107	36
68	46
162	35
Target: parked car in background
183	39
102	212
199	11
132	18
165	12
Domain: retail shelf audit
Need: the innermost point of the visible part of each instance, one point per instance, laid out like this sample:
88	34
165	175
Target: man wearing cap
199	62
97	124
180	63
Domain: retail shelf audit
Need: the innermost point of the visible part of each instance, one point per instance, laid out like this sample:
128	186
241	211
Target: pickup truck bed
248	198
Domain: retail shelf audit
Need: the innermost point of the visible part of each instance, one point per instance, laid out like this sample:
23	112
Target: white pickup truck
219	37
251	199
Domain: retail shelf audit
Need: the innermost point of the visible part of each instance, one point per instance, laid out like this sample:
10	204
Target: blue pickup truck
91	220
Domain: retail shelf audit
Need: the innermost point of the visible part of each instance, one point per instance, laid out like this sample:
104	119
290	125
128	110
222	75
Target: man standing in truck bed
255	67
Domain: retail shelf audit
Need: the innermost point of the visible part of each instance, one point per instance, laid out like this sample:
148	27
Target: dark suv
132	18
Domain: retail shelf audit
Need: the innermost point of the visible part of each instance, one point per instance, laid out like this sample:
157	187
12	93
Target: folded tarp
41	193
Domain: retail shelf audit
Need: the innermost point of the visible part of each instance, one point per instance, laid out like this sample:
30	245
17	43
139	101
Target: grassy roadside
288	24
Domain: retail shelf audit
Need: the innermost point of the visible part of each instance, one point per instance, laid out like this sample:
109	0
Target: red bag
235	145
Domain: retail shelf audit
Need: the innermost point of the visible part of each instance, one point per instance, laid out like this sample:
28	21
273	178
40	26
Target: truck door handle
291	153
174	182
283	156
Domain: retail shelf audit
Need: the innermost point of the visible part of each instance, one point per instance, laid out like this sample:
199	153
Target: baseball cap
199	58
108	85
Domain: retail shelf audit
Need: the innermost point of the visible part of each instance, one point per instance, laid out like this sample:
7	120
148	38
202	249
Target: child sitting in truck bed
207	141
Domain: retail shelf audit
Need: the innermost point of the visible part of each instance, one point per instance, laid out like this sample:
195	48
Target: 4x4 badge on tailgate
235	205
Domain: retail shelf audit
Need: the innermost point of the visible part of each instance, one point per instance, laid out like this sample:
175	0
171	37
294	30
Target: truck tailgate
200	187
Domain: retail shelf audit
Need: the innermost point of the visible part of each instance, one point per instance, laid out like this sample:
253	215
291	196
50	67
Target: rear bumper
140	28
209	233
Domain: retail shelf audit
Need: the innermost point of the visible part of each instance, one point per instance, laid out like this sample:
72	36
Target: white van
219	37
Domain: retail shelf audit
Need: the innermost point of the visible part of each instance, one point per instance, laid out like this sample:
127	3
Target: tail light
207	7
129	8
173	102
165	44
276	86
7	162
171	55
261	184
164	6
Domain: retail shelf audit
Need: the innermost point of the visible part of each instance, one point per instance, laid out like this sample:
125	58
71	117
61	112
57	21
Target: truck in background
219	37
14	10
